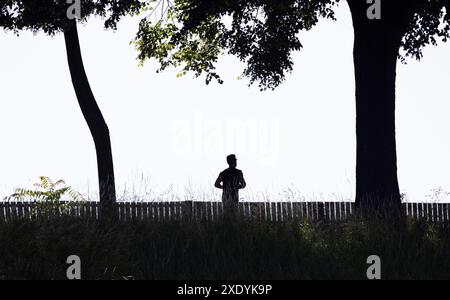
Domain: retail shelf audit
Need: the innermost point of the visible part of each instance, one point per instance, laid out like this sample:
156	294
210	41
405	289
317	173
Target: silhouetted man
231	181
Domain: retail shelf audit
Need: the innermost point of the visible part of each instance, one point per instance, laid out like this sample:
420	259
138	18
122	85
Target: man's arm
218	183
242	183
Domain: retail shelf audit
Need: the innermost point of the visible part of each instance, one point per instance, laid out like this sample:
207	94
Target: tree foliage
192	34
50	16
431	23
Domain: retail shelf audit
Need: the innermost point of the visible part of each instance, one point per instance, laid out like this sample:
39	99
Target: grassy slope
223	250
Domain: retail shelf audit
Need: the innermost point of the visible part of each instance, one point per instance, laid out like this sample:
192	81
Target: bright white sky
178	131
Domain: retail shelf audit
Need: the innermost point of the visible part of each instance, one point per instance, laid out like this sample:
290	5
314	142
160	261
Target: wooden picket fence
193	210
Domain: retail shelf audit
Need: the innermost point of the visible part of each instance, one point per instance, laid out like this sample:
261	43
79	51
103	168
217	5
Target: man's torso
231	179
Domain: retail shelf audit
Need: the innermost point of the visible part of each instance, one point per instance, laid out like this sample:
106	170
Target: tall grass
226	249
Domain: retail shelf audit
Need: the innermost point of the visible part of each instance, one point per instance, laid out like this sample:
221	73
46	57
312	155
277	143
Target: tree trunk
94	119
376	49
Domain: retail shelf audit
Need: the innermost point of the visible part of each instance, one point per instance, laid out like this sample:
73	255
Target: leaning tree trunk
94	119
376	50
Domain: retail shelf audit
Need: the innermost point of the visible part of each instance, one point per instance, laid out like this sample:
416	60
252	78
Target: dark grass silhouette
222	250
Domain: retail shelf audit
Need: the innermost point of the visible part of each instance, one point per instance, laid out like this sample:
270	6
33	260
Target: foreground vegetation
38	249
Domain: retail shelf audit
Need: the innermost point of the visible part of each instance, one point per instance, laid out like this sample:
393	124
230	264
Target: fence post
321	211
187	210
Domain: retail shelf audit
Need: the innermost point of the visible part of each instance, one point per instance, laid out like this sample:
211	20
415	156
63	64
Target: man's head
232	161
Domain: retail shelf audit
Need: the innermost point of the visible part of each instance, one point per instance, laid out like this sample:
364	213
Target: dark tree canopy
50	16
430	23
192	34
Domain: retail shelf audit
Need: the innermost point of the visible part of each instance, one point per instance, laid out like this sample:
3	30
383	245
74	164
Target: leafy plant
48	195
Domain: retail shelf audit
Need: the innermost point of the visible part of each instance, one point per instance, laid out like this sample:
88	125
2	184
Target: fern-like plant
48	195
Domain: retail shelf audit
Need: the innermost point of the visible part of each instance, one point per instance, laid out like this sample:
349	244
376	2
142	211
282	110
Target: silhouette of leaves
261	33
50	16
